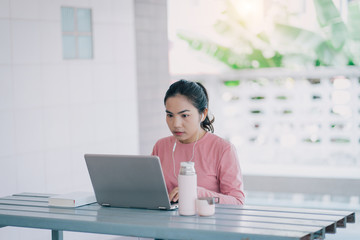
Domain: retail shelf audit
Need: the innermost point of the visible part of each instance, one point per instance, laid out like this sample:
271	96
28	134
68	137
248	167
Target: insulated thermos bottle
187	182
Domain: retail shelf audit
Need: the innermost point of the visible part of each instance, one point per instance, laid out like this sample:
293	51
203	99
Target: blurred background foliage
277	42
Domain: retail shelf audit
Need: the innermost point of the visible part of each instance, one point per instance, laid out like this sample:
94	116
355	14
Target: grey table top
229	222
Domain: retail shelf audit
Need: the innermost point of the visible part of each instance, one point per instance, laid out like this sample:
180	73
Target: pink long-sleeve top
216	164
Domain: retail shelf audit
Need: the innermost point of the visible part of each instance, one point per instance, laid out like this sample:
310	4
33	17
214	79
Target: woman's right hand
174	195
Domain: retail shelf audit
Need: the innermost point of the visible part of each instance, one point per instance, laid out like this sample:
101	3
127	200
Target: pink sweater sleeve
230	180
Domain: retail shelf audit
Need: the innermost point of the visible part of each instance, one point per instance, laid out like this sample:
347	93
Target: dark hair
197	95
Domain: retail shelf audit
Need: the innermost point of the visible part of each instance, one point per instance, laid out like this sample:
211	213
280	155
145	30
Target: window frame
77	34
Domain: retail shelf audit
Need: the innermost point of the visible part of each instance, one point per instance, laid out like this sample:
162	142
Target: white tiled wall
28	86
7	136
20	9
52	111
25	40
5	56
6	87
56	84
29	131
4	8
50	51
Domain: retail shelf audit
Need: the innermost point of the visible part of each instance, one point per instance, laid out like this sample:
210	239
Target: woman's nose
177	122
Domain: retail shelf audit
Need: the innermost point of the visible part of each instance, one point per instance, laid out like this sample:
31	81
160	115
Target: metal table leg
56	235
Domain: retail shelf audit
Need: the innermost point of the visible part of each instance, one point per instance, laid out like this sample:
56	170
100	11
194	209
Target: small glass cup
205	206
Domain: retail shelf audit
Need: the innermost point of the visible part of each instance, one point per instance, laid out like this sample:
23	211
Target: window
76	33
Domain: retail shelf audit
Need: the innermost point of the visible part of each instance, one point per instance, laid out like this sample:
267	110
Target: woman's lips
178	133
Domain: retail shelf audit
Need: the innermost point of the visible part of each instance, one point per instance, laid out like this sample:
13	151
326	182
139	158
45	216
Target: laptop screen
134	181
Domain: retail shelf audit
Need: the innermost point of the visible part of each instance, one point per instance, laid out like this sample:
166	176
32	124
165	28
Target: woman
216	164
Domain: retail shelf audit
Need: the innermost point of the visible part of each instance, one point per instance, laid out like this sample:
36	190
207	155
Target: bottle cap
187	168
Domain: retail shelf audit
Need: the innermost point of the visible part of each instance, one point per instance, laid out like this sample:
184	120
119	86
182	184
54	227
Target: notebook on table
131	181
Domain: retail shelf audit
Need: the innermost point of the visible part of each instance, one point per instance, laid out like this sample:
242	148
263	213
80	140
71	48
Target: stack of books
74	199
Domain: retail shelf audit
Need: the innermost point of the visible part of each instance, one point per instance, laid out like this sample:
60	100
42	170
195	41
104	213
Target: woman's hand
174	195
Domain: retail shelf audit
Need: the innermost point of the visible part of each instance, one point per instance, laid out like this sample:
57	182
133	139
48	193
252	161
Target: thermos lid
187	168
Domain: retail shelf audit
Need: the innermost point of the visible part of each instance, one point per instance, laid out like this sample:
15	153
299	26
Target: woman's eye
185	115
169	115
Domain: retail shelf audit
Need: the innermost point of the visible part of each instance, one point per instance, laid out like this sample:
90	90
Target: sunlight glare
251	12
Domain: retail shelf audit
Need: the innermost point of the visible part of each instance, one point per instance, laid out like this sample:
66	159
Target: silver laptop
128	181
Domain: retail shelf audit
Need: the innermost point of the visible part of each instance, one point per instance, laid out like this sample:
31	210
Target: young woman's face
182	118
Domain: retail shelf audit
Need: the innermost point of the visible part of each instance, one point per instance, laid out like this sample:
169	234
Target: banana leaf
331	23
336	44
327	56
353	22
296	39
240	36
352	50
224	54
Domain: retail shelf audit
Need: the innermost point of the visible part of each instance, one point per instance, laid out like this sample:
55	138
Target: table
229	222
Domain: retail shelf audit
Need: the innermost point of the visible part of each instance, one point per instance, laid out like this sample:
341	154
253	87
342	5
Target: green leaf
299	40
353	20
222	27
335	44
331	23
232	83
228	56
326	12
338	35
221	53
327	56
352	49
263	37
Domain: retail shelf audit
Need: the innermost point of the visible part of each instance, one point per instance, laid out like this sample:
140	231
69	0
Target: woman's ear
204	114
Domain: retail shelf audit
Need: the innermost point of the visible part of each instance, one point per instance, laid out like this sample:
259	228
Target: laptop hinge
105	204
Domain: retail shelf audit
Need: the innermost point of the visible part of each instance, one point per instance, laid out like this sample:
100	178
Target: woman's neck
201	133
